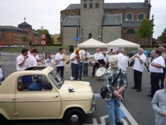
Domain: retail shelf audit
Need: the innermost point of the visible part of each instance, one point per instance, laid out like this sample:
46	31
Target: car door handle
56	96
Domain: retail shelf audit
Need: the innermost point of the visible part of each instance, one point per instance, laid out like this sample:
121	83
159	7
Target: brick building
21	35
103	21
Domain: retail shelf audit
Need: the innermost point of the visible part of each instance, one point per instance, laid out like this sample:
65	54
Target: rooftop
114	5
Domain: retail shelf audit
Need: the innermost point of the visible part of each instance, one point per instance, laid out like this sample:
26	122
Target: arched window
129	16
85	5
90	35
91	5
62	17
141	16
73	14
97	5
130	31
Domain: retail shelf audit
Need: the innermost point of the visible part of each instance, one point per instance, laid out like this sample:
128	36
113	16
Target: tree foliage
163	36
145	30
25	39
46	32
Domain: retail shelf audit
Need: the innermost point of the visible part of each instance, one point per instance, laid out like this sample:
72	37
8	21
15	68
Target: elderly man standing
114	95
161	49
159	105
139	60
122	61
156	69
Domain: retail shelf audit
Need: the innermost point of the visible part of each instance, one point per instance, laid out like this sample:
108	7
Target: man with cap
114	94
156	69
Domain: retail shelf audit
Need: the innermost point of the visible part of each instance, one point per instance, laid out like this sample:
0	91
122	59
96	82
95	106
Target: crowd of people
115	77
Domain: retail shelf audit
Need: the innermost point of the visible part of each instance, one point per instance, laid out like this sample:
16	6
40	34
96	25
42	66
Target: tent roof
122	43
92	43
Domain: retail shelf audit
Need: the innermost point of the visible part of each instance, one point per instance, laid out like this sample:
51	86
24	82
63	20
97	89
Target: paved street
136	109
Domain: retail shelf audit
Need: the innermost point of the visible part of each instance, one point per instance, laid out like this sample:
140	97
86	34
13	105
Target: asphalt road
137	105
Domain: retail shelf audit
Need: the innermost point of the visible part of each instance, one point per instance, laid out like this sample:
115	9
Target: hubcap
74	118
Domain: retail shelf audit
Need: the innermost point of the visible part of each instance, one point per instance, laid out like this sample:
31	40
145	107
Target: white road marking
102	119
1	62
5	62
128	115
9	63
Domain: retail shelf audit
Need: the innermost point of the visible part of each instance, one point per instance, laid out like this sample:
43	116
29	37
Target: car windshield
56	78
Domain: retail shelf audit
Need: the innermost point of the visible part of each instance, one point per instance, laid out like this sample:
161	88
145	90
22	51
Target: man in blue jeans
114	95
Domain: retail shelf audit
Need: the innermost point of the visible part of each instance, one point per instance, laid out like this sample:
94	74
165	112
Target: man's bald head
140	51
161	49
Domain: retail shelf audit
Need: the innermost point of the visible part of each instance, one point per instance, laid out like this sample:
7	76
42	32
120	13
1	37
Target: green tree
163	36
59	39
25	39
145	30
46	32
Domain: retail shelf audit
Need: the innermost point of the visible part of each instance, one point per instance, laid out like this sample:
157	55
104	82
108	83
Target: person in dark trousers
60	59
96	65
139	60
75	59
161	49
156	69
86	62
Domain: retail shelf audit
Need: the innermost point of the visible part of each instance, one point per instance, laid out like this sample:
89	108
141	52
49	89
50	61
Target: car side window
33	83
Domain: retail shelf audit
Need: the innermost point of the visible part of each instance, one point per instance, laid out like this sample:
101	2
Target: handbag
104	89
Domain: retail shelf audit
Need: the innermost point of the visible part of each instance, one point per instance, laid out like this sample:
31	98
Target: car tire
74	117
3	120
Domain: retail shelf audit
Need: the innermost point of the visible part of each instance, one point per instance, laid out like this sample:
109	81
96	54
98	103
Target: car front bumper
93	106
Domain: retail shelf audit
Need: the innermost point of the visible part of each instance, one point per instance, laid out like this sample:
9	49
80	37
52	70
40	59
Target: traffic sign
43	42
77	39
42	36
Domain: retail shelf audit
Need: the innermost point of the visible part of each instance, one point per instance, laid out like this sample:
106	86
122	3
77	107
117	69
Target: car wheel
3	120
74	117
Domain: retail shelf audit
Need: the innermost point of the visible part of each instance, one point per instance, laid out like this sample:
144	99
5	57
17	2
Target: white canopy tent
92	43
122	43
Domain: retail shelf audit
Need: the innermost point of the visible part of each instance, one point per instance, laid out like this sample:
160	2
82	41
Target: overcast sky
46	13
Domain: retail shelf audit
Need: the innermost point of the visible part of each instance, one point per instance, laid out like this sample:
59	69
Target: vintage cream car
40	93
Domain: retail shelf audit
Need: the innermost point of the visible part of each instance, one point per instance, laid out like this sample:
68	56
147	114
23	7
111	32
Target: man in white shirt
32	61
97	57
122	61
37	56
74	58
21	60
86	62
139	60
60	59
156	69
161	49
105	57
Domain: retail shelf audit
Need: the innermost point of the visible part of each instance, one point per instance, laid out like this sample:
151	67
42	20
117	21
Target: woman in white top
47	60
1	74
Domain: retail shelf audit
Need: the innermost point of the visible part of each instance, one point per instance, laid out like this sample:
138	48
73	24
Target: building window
129	16
73	14
90	35
130	31
91	5
140	16
62	17
97	5
85	5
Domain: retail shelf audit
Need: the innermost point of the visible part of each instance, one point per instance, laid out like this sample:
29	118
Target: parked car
132	53
40	93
